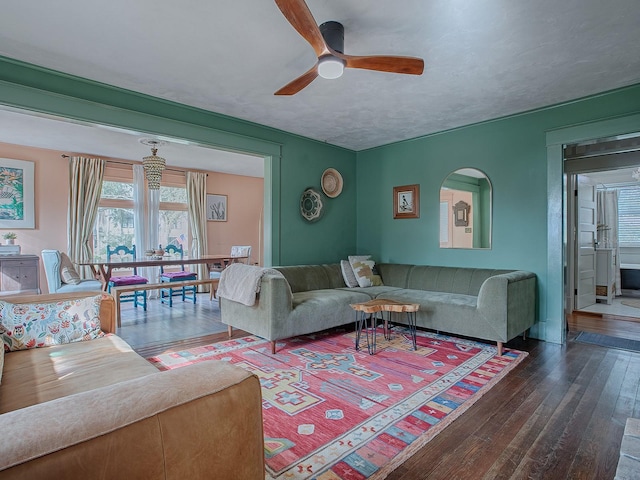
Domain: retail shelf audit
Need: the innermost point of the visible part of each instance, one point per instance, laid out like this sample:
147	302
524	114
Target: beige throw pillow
349	277
363	269
68	272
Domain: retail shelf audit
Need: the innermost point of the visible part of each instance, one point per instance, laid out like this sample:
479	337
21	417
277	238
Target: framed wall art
406	201
461	214
17	204
217	208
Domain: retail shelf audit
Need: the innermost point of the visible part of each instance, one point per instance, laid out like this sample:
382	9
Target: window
174	218
114	222
629	216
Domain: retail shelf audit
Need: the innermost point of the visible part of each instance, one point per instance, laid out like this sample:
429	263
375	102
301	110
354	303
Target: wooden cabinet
605	275
19	274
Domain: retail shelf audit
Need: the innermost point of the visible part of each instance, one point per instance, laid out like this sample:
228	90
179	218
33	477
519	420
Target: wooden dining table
102	269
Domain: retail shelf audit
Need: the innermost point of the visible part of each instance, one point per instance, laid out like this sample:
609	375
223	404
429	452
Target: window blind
629	216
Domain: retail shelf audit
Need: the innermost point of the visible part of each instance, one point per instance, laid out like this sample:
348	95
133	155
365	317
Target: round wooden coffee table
369	310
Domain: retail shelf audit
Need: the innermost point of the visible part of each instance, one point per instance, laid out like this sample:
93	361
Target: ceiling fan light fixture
330	67
327	41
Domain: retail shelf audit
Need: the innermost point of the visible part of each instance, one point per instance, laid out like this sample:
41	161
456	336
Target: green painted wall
484	206
513	153
293	163
331	238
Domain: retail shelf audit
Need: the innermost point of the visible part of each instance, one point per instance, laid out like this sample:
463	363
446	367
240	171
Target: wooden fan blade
300	18
299	83
384	63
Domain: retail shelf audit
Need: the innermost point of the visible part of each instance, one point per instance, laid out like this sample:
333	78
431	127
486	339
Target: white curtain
143	229
153	225
139	220
197	204
608	228
153	218
85	182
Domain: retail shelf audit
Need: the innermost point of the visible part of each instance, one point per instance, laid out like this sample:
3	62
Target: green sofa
494	305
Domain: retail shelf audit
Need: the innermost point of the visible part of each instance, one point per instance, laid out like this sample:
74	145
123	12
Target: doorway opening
603	227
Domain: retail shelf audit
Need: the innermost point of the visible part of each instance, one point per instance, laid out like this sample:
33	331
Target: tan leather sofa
96	409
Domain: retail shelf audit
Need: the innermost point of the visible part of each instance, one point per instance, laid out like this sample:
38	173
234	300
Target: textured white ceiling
483	60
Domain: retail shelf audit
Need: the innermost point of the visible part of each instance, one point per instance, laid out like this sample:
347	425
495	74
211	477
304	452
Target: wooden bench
117	291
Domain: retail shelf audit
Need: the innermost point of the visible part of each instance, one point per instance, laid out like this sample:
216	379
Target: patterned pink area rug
331	412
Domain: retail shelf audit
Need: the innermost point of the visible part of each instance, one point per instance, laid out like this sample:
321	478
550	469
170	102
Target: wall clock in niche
311	205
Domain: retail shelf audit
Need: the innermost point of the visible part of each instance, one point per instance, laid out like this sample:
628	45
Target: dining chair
216	271
55	263
188	292
135	279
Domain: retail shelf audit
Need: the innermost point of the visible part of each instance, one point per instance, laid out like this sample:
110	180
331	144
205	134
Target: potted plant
9	238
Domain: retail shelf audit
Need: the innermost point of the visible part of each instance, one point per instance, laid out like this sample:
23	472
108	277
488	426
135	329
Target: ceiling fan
327	41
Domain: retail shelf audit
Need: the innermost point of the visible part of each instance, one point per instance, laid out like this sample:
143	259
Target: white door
585	243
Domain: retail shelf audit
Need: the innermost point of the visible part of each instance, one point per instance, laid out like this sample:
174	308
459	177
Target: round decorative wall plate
311	205
331	183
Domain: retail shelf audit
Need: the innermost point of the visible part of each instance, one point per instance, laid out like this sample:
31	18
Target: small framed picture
217	208
406	201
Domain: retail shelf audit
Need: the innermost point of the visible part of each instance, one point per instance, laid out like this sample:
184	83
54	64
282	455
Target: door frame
66	108
552	325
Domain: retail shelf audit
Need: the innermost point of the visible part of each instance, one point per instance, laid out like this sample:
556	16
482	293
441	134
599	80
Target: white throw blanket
241	283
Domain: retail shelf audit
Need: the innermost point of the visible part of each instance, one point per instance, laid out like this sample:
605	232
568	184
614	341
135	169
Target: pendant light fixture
153	165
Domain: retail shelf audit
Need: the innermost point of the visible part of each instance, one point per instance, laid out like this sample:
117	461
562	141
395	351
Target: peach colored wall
461	237
458	236
51	178
245	199
51	172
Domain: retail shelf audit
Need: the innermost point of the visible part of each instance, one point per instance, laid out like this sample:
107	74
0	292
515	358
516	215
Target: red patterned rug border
433	432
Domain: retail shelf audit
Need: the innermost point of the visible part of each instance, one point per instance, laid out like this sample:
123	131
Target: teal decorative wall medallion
311	205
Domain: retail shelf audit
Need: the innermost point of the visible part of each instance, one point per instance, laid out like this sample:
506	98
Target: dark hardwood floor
614	326
560	414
